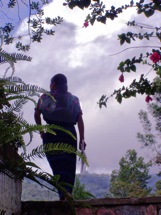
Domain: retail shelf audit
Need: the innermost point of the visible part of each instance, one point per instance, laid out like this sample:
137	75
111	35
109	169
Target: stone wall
107	206
10	195
10	188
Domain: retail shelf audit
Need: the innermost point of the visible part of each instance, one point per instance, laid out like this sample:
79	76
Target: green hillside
96	184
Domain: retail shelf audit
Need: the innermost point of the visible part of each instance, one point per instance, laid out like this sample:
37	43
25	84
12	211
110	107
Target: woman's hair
60	81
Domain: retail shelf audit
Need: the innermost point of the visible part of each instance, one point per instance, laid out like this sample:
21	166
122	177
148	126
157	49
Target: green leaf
127	61
149	13
103	19
133	68
122	40
127	69
119	98
128	40
32	165
140	11
133	93
33	178
92	20
121	64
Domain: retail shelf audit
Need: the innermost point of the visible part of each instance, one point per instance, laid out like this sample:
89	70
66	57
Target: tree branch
134	47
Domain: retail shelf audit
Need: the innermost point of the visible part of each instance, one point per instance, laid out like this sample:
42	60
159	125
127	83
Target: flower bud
121	78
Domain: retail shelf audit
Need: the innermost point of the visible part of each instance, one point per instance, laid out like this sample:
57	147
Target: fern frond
41	151
12	132
51	182
45	128
14	79
56	127
14	57
9	133
17	105
25	97
11	88
20	120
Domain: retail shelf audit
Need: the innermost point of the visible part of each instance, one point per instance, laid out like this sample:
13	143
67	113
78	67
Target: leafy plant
37	23
79	191
132	177
151	124
100	13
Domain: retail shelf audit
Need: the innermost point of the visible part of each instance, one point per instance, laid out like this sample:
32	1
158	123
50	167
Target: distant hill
96	184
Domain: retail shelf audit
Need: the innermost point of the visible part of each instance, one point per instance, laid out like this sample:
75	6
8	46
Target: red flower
155	57
148	99
121	78
86	24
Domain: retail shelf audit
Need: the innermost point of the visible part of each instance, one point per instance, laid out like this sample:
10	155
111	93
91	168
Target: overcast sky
83	55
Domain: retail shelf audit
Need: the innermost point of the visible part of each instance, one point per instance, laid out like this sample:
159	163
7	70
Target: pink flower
148	99
121	78
86	24
155	57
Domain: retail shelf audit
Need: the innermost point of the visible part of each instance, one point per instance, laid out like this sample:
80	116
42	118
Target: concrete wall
10	189
107	206
10	195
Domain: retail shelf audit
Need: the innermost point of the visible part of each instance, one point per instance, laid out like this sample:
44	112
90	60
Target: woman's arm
37	116
81	131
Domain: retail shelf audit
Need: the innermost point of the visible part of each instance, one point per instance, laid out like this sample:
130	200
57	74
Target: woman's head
59	82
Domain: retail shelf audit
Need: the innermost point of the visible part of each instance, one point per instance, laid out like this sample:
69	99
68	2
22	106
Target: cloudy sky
83	55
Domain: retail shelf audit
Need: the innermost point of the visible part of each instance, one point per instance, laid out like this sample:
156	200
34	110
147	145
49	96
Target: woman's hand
82	145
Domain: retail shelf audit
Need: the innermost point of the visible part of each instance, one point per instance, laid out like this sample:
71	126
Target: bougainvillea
155	57
86	24
121	78
148	99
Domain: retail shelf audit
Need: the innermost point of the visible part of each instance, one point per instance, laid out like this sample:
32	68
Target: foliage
158	188
100	13
95	184
37	24
79	191
151	123
132	178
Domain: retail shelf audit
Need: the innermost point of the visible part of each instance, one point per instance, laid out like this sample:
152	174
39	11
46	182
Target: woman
62	109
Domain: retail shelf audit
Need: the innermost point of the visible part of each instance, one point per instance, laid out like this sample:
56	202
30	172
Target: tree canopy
151	124
36	22
132	177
